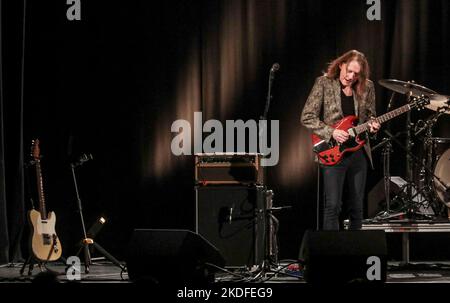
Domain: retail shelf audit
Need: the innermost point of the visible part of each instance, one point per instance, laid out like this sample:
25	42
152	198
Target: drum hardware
436	183
427	125
438	103
409	165
387	150
440	180
409	205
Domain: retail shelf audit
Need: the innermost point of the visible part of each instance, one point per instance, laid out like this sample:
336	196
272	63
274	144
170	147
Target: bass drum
442	170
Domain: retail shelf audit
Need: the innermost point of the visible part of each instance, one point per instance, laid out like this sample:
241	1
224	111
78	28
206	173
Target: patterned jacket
323	108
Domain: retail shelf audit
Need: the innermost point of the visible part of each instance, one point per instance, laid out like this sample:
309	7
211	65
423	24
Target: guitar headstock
420	102
35	150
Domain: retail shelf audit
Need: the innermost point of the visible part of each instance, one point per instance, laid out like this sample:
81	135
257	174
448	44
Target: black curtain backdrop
112	84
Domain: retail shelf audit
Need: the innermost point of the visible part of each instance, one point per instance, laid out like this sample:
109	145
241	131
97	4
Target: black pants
350	172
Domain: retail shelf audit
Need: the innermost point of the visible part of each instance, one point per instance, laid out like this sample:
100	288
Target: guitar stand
31	261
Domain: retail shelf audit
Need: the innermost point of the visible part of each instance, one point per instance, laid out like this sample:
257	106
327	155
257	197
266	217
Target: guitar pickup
321	146
352	132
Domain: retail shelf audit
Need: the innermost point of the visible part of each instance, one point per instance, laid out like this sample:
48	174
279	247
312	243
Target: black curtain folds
4	239
112	84
12	59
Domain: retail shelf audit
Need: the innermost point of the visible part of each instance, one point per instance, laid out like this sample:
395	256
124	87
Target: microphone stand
271	228
87	255
86	240
274	68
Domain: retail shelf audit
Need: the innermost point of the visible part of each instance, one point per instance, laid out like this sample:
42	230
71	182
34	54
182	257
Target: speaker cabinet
171	256
344	256
232	218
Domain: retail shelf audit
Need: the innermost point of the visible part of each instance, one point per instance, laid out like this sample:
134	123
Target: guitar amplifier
233	219
228	168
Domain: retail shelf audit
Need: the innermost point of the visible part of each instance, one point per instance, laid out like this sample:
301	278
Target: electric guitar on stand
45	244
331	152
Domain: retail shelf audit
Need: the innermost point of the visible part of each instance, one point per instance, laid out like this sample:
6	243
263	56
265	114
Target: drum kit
427	171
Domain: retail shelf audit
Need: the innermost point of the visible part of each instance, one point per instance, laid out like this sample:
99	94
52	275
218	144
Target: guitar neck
383	118
40	185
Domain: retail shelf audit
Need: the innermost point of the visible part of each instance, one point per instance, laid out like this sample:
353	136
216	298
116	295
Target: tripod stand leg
63	260
25	265
405	248
87	257
108	255
30	268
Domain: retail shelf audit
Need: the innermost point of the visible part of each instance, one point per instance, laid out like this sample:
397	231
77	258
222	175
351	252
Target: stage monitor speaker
233	219
171	256
344	256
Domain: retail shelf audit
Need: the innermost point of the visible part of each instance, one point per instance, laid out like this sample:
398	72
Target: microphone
275	67
83	158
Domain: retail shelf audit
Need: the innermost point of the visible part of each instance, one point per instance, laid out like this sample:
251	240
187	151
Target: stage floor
105	272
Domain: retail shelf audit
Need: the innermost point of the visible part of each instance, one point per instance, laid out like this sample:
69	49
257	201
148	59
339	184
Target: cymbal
403	87
439	102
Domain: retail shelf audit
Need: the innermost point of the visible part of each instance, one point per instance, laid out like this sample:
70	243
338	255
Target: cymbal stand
386	143
409	185
426	179
409	165
411	207
387	150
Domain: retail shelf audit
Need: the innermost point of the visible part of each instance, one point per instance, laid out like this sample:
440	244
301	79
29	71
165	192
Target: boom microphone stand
275	68
86	241
271	247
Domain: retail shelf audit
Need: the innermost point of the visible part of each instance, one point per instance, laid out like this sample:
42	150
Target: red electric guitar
331	152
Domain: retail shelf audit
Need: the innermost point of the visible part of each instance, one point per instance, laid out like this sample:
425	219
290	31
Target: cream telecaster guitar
45	244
